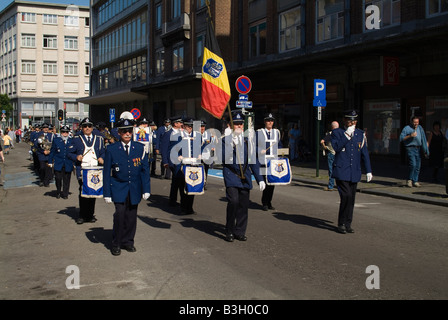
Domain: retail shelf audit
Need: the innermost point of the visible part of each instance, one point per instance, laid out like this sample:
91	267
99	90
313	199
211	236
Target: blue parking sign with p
320	93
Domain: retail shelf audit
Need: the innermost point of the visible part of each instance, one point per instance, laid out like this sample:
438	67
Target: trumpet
44	143
108	136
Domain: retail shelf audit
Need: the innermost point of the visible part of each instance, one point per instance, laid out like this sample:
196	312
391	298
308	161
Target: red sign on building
390	71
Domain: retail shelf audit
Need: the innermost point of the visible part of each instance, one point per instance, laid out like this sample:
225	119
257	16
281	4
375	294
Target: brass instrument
108	136
44	143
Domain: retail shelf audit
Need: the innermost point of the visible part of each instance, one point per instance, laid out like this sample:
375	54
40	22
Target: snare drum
92	182
194	179
278	172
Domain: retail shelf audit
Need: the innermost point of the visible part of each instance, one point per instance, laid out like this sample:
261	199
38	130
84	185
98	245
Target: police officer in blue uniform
126	182
160	132
237	171
62	160
268	141
89	152
350	145
43	154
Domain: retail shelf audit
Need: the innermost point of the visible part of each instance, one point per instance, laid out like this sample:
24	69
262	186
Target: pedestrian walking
3	161
437	145
351	152
268	141
237	179
126	182
330	153
413	138
89	152
62	160
294	135
7	141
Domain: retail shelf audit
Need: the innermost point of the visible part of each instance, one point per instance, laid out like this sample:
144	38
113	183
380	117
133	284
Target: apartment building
385	58
44	60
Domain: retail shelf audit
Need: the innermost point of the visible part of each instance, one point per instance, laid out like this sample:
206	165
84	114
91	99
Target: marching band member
89	151
268	140
43	153
351	149
126	182
237	179
62	160
169	140
160	132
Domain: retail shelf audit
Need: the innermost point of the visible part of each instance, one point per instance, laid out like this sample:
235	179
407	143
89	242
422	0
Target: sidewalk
388	180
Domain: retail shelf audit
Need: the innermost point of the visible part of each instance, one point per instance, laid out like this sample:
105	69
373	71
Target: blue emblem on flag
213	68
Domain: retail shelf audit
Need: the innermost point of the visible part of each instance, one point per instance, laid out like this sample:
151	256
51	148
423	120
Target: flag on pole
215	83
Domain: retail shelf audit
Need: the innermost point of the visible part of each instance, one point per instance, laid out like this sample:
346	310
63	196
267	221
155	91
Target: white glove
108	200
349	131
262	185
369	177
145	196
50	165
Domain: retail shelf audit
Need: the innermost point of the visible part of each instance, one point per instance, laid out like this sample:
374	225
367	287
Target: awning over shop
113	97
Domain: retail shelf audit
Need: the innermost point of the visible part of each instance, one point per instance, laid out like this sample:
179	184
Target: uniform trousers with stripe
347	194
125	223
62	180
86	205
237	210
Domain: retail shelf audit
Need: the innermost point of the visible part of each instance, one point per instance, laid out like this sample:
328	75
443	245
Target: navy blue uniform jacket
39	151
231	169
61	154
125	174
349	155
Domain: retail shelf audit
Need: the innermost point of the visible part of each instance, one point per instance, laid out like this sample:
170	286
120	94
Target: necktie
88	140
127	148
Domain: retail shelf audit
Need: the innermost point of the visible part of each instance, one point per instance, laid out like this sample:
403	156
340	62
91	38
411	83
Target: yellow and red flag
215	83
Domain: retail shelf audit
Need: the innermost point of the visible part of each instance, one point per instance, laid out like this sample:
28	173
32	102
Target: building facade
45	61
385	58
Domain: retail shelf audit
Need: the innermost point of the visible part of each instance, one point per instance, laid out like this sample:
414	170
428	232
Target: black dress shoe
241	238
265	208
129	248
271	208
58	196
341	229
64	197
93	220
115	251
229	237
80	221
349	230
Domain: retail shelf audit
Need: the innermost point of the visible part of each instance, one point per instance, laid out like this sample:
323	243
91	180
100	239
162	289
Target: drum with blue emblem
92	182
194	174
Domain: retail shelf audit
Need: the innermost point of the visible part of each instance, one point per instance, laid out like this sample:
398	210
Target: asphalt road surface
398	250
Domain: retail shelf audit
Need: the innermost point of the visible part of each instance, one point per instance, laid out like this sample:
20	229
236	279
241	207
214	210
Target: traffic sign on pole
243	85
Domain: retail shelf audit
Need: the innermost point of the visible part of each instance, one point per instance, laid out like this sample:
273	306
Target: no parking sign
136	113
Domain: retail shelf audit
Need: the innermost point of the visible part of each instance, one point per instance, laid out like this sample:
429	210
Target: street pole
319	117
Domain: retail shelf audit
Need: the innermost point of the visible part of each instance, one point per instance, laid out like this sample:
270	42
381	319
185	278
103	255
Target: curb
414	198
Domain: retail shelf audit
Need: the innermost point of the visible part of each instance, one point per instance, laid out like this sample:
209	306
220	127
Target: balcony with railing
176	30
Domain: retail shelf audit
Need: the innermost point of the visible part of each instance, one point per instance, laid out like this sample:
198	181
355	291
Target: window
257	40
27	105
87	68
71	106
178	57
49	19
435	7
175	8
71	68
29	66
160	61
50	67
390	12
87	21
158	16
50	42
87	43
71	43
290	31
330	20
200	3
72	21
28	17
200	49
28	40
